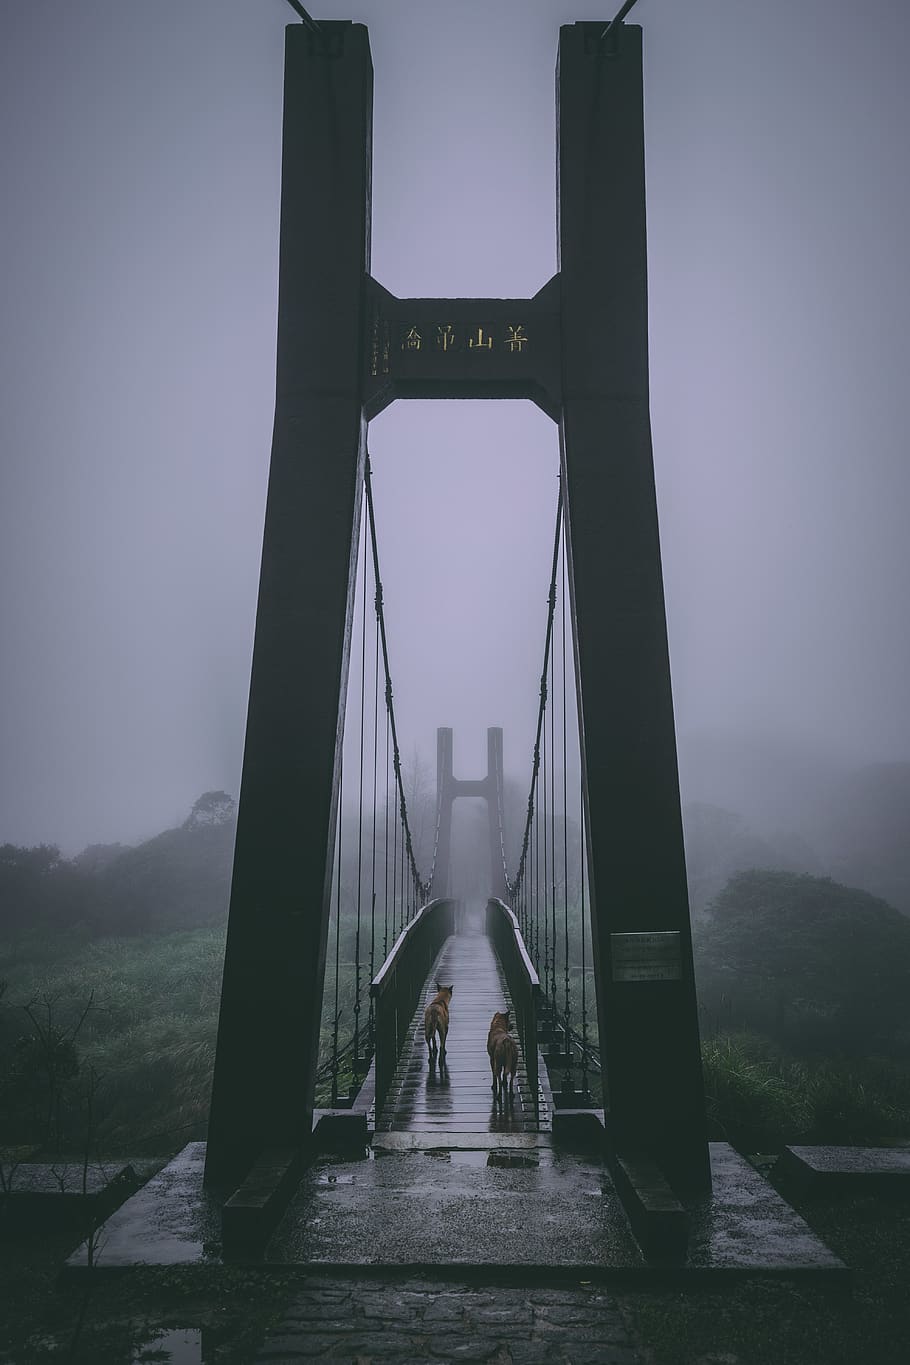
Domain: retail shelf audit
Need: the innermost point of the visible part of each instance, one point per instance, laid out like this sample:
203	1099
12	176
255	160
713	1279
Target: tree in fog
211	808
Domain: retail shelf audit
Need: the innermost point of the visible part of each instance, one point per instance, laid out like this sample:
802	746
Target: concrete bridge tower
448	788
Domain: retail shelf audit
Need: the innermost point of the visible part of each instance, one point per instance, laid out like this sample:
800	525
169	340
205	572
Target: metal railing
523	983
396	988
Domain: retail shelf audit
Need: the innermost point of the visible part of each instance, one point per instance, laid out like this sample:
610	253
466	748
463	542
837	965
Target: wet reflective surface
178	1346
456	1096
536	1205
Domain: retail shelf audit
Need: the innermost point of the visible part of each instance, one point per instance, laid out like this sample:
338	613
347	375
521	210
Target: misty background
140	166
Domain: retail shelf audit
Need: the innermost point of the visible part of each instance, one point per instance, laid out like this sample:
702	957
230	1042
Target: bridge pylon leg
268	1032
495	813
444	798
640	915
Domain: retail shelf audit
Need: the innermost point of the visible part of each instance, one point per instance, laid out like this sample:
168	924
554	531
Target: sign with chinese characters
646	957
462	348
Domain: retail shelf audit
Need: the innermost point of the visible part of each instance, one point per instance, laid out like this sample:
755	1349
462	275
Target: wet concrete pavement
521	1204
531	1208
456	1097
505	1206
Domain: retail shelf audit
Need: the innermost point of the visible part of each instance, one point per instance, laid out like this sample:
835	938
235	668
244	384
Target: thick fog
139	156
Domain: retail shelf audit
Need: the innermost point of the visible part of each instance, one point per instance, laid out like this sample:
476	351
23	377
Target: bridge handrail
523	982
396	987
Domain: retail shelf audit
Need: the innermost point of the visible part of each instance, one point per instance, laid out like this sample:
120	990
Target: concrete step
846	1170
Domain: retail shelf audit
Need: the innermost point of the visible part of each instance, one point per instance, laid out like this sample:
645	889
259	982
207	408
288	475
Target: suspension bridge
395	931
341	919
602	964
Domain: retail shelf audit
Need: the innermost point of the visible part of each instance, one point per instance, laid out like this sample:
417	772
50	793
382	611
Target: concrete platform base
521	1208
846	1170
579	1129
59	1192
170	1221
341	1130
660	1222
252	1211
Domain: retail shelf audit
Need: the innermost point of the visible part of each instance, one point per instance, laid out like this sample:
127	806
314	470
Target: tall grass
759	1099
150	1034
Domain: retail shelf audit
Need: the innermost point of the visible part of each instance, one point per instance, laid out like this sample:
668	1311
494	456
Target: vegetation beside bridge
801	988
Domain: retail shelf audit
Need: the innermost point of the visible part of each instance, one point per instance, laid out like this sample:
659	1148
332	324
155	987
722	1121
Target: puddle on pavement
513	1159
179	1346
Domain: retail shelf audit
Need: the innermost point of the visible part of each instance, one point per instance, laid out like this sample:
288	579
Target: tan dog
436	1020
503	1051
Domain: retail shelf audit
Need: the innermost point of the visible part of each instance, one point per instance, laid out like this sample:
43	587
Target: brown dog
503	1051
436	1020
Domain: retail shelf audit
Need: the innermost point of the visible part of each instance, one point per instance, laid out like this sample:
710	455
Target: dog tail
505	1054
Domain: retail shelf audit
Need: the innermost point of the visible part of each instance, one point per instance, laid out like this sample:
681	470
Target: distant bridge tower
448	787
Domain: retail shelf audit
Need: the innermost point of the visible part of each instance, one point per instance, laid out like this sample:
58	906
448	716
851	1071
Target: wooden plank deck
458	1098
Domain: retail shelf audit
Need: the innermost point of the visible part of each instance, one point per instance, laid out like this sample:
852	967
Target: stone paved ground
366	1321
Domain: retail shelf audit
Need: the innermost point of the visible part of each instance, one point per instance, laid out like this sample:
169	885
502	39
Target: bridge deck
458	1098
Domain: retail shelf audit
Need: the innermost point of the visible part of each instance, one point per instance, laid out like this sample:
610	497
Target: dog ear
505	1015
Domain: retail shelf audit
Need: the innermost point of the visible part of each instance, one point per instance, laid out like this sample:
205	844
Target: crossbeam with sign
462	348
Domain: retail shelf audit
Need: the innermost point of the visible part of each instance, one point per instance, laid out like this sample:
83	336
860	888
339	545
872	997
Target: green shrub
820	968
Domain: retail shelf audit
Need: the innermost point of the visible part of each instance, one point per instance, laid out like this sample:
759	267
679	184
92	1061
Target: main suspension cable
385	845
547	762
567	1014
553	824
336	1013
584	965
421	888
363	672
614	22
311	23
515	883
373	831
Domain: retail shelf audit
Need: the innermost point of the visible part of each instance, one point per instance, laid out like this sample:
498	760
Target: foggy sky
139	164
